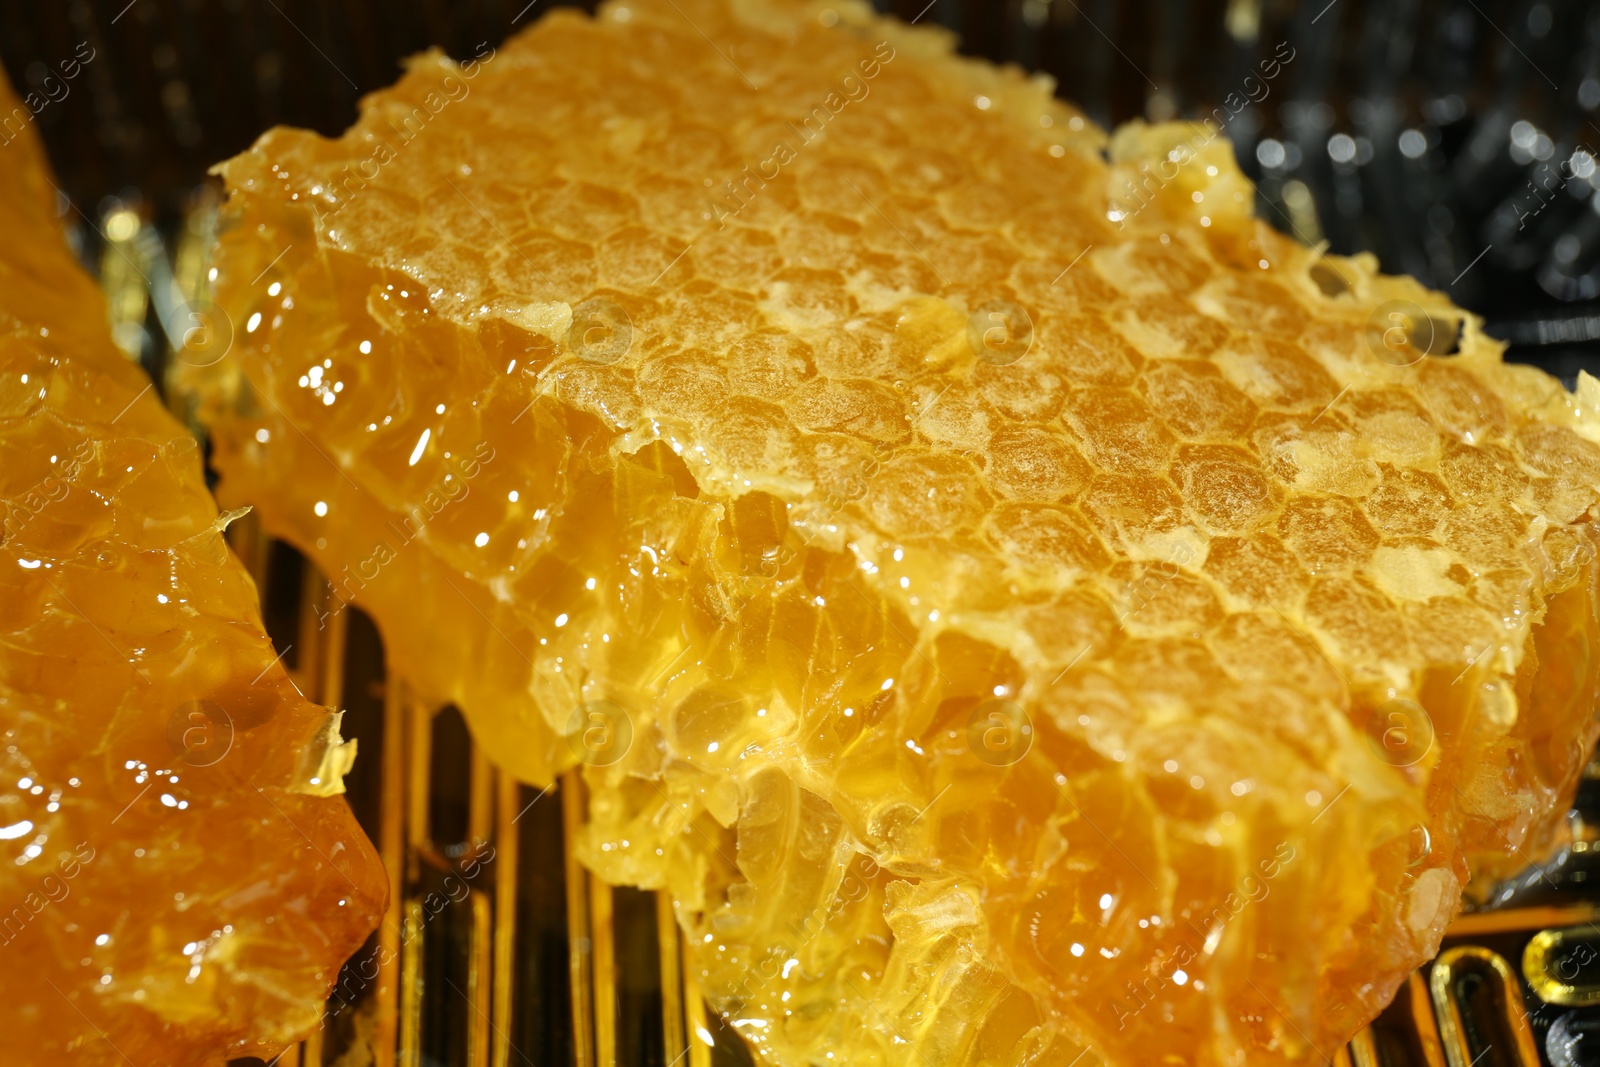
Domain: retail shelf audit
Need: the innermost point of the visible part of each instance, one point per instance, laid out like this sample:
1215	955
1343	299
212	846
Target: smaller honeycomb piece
1026	610
178	885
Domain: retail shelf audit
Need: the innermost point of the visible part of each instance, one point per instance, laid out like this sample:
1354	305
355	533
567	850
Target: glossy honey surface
1020	605
178	882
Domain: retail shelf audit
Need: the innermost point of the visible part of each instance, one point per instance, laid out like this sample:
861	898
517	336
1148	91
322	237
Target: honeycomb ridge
1018	602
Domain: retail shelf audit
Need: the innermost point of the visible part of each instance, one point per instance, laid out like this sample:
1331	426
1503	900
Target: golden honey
179	882
1023	608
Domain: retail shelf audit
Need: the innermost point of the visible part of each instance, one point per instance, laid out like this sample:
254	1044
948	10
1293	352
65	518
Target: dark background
1439	134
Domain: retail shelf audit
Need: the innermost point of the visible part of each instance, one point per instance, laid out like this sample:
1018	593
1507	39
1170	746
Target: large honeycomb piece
173	888
1022	606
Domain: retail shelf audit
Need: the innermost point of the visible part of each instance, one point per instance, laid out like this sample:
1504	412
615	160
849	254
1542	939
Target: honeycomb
1024	608
176	886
